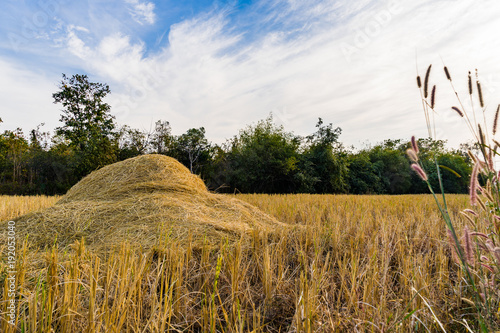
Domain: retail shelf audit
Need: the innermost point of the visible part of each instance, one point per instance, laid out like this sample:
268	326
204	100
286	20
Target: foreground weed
477	252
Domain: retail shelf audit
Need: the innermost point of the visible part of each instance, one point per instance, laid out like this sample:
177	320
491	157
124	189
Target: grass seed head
420	172
472	156
414	145
433	97
473	184
488	267
469	252
457	110
470	84
412	155
447	73
482	139
426	81
470	211
496	251
480	93
479	234
495	121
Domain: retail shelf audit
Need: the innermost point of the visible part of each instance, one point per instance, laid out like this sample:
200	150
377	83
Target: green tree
52	170
192	149
364	177
216	172
132	142
264	158
88	123
162	138
13	155
325	160
391	166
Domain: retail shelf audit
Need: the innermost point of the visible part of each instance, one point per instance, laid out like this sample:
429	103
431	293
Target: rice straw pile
143	200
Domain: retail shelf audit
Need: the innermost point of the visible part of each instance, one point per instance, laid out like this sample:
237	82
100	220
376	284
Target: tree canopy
87	122
262	158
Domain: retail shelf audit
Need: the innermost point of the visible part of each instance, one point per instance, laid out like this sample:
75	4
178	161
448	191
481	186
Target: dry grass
351	268
15	206
141	200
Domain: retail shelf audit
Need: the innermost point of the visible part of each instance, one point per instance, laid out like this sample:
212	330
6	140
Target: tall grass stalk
478	262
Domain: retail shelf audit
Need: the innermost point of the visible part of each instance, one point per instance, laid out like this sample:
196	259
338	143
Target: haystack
143	200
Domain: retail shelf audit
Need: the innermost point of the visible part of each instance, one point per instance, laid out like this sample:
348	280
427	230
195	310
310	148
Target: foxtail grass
475	252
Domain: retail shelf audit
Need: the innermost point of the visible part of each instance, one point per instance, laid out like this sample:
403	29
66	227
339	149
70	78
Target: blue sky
227	64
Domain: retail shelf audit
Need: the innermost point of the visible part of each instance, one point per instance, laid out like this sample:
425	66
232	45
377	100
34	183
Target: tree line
261	158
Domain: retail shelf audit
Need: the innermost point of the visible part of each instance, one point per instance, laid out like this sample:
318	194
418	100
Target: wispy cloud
142	12
350	62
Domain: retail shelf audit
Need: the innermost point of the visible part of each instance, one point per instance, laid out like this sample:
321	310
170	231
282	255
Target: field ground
354	265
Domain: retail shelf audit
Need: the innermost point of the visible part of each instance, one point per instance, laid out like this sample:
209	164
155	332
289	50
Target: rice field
349	264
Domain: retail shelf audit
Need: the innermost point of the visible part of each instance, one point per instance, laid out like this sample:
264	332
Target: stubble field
350	263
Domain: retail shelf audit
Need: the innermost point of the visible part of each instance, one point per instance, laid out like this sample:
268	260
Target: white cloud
75	44
207	77
142	12
213	74
26	98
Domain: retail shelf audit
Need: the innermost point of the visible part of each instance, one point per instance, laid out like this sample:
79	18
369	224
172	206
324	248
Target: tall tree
162	138
132	142
192	149
263	158
325	159
13	148
88	123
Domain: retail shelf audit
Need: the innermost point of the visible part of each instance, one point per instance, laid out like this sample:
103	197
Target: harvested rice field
244	263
